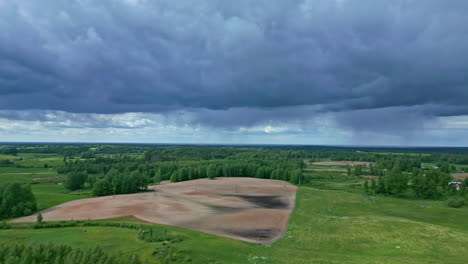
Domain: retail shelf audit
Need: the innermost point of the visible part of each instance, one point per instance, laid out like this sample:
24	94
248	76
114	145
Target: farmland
254	210
326	226
334	220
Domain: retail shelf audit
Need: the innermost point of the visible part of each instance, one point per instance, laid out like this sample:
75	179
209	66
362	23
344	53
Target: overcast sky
354	72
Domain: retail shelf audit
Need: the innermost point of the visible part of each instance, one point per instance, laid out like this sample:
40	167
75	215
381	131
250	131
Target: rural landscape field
234	204
233	132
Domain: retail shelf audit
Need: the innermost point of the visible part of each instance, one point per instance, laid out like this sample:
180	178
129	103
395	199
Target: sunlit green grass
114	240
51	194
41	162
4	170
7	157
38	155
29	177
46	185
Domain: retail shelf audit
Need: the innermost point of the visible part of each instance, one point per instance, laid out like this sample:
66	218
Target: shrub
39	218
158	235
5	226
456	202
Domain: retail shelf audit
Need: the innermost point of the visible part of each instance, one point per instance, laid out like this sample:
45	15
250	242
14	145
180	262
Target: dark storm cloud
116	56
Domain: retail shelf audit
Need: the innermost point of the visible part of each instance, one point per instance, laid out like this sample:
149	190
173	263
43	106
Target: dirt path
249	209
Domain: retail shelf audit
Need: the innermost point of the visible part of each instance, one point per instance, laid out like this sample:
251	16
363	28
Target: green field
39	155
333	222
51	194
9	170
326	227
8	157
116	240
41	162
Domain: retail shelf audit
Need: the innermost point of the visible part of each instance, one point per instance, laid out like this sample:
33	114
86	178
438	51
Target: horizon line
221	144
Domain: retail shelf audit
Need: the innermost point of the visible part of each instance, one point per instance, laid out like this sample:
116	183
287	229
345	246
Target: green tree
202	172
211	171
39	218
373	186
463	188
260	173
102	188
381	186
183	174
348	170
366	186
75	180
275	174
444	167
357	170
418	183
296	177
192	173
157	176
397	183
174	177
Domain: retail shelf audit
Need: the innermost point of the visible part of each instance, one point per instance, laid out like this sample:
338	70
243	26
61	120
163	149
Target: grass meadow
333	222
52	194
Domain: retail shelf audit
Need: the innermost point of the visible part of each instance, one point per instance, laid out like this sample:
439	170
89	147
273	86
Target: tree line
123	180
214	170
423	184
121	174
116	182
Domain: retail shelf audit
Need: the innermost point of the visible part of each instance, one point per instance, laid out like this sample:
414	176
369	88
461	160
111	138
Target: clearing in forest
460	176
249	209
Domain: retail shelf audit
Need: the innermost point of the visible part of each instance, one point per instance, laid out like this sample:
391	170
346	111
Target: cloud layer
362	65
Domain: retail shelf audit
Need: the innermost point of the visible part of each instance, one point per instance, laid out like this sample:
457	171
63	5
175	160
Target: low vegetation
49	253
399	210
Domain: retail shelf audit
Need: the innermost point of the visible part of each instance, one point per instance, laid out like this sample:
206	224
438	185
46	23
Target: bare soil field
249	209
343	163
460	176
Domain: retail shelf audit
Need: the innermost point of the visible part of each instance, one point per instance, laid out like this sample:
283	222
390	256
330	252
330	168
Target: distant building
456	184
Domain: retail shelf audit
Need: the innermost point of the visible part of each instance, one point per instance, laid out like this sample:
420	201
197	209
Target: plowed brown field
248	209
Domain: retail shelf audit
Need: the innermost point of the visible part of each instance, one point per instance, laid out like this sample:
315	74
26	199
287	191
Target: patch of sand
249	209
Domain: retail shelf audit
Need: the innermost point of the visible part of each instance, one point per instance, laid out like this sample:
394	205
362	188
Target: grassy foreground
327	226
